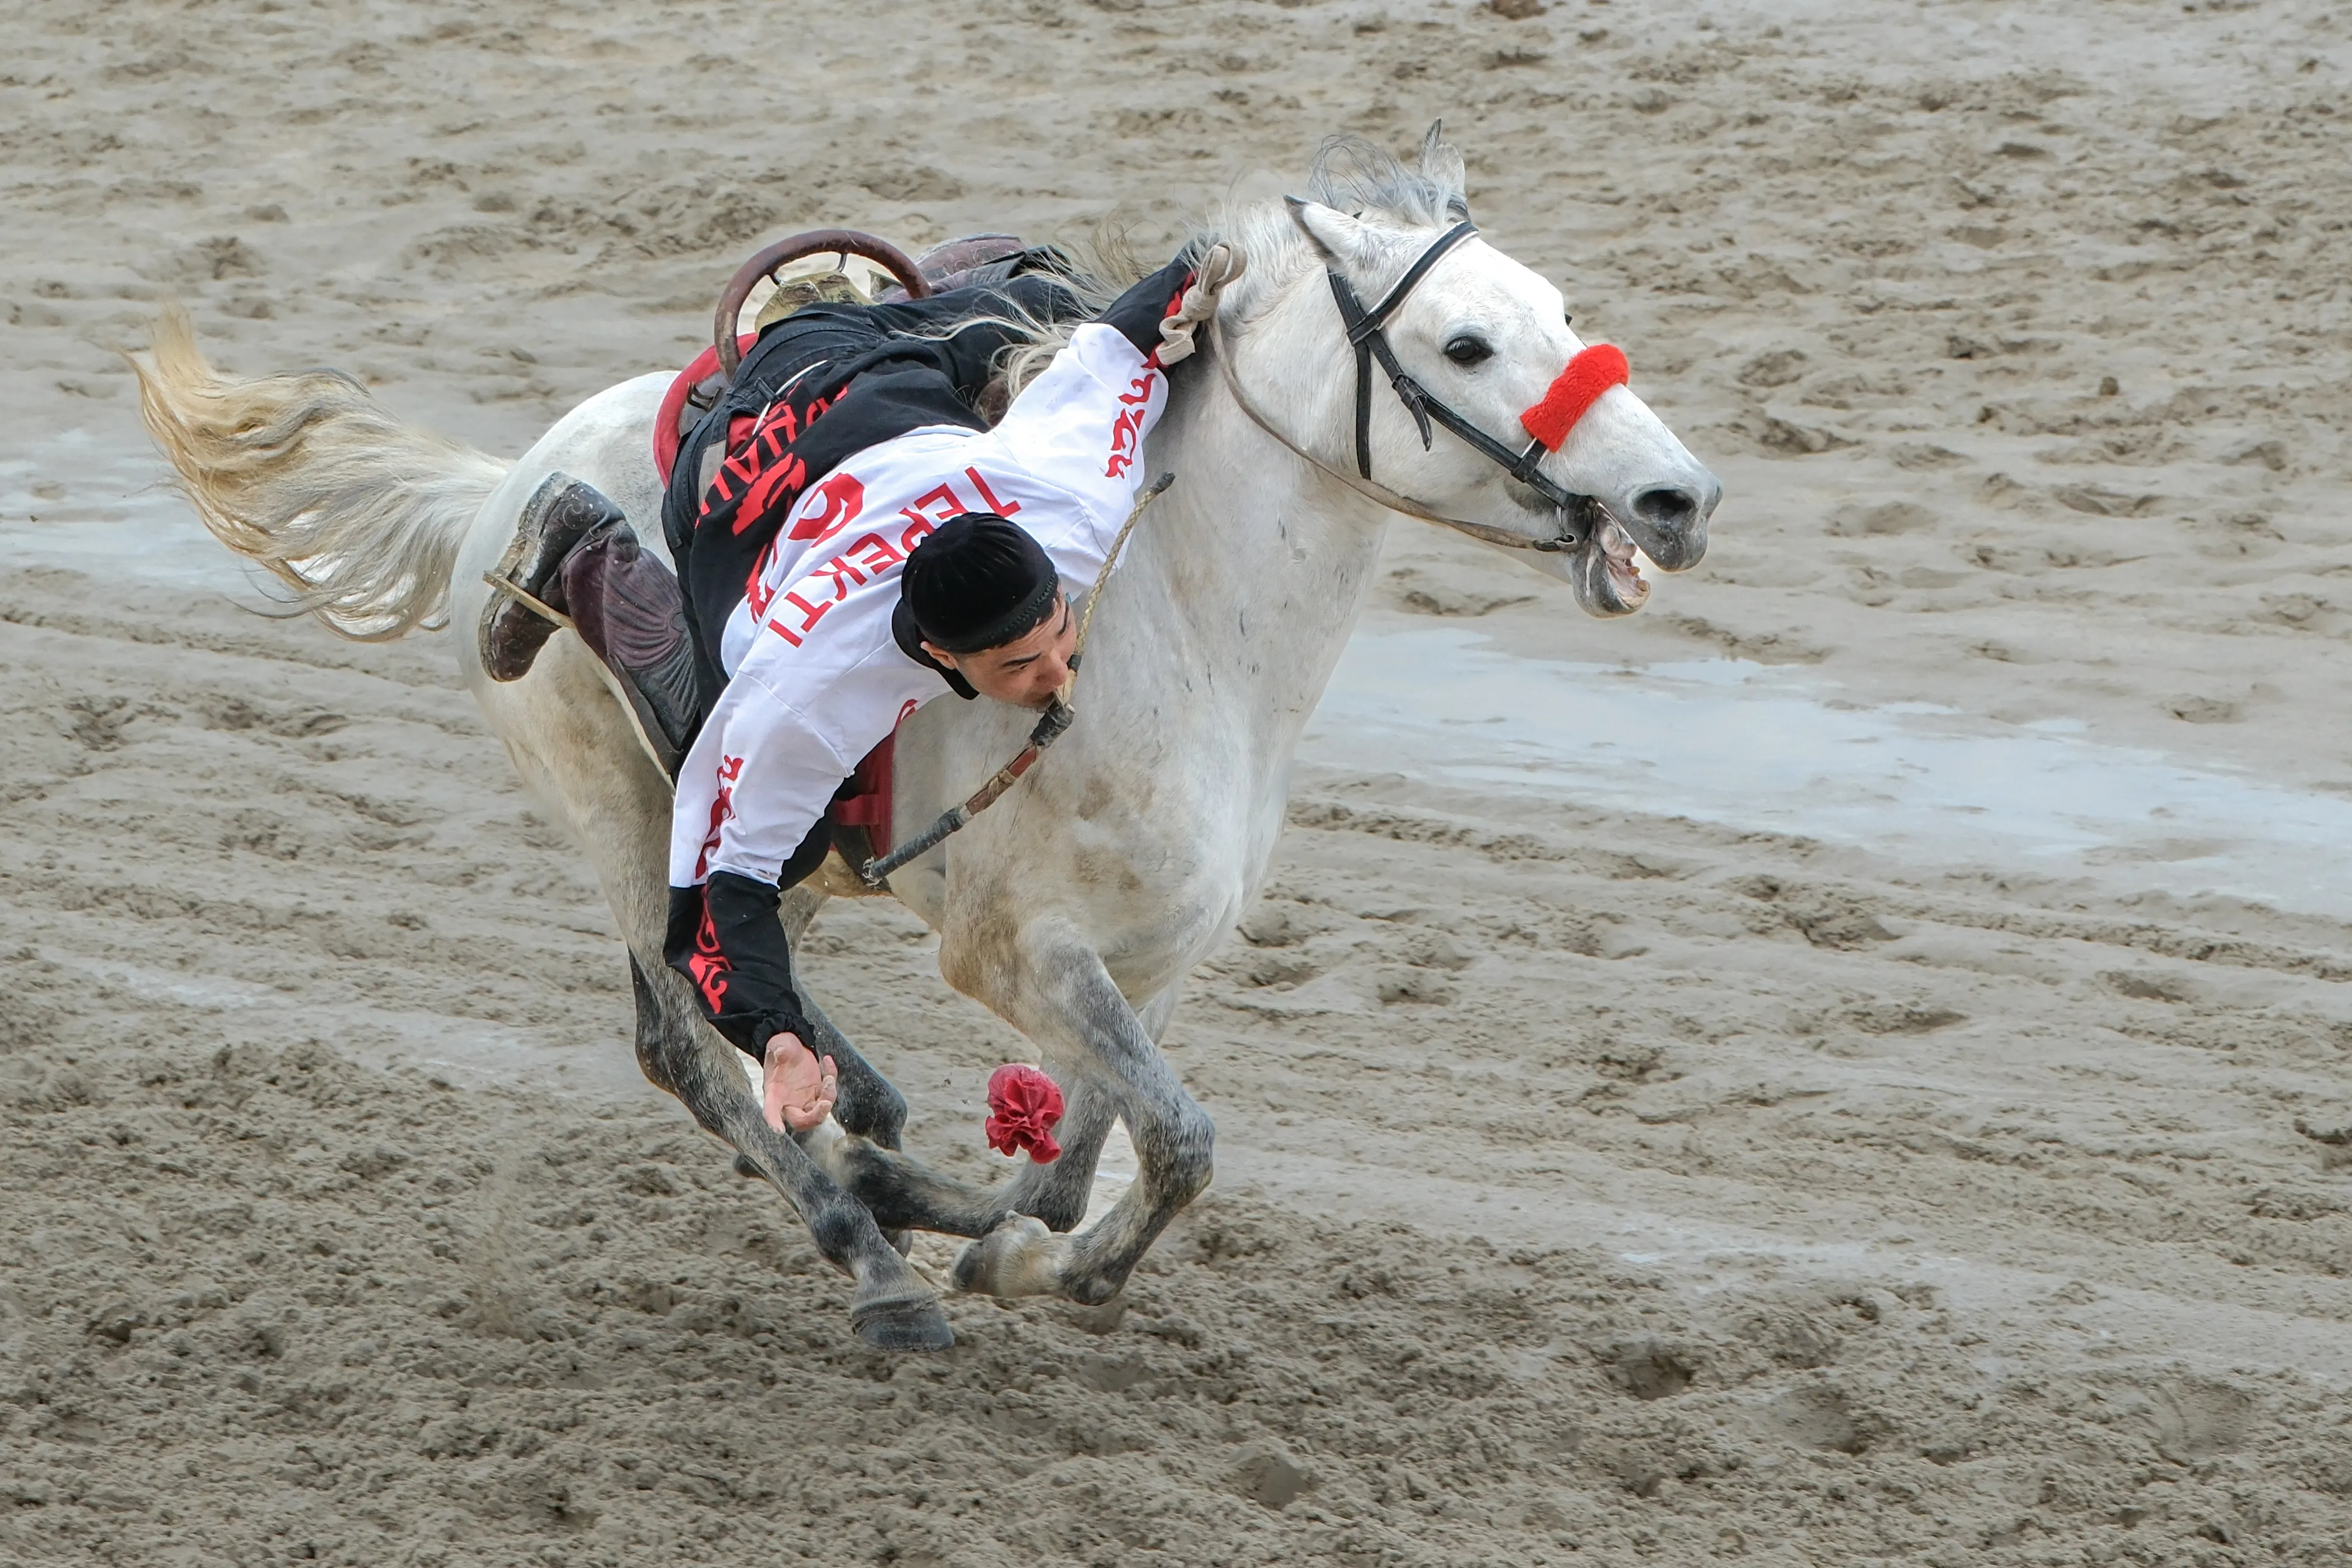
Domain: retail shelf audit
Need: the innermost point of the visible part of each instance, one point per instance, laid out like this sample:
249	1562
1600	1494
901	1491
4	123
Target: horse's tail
360	515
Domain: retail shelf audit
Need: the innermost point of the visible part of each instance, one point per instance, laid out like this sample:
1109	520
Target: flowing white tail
361	515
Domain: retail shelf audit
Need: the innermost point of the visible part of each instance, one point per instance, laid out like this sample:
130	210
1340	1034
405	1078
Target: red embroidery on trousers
789	474
757	594
760	471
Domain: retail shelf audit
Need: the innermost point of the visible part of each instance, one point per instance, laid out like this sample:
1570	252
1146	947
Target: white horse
1075	909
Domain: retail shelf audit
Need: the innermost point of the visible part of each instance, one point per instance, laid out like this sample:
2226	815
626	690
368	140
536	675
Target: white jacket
816	678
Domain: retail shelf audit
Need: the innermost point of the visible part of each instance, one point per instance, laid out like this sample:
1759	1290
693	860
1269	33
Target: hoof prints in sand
277	1298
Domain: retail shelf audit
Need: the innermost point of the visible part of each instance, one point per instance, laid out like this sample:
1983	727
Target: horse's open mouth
1607	575
1623	562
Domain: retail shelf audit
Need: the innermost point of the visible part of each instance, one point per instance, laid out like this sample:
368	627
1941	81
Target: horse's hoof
902	1323
1013	1260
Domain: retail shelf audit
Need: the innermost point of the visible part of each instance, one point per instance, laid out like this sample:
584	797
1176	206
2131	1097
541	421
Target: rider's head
989	606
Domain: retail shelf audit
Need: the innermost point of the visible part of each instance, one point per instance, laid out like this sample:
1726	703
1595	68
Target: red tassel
1594	372
1023	1107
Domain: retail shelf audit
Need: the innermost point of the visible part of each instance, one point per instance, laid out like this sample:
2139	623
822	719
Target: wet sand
1621	1160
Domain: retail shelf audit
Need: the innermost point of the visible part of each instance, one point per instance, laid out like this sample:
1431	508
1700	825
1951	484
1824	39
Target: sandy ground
1596	1186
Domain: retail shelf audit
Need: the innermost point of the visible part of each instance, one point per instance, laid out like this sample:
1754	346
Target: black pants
819	387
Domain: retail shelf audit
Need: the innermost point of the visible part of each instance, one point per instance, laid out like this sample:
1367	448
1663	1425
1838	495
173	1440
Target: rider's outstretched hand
796	1090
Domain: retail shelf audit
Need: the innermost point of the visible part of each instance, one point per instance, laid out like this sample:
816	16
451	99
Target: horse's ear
1441	163
1341	238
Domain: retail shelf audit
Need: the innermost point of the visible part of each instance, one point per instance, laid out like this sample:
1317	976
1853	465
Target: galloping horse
1075	908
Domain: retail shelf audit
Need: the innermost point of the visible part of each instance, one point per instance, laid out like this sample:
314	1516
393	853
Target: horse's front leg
901	1192
906	1195
1058	1193
868	1103
1059	993
892	1309
569	741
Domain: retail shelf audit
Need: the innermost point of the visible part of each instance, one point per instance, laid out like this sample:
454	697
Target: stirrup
515	591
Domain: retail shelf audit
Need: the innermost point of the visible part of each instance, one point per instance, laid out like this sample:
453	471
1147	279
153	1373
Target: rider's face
1027	670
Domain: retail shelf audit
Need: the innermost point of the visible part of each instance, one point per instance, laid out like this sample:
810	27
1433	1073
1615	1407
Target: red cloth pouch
1023	1107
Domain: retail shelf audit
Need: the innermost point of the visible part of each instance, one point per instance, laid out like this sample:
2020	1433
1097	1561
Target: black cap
978	582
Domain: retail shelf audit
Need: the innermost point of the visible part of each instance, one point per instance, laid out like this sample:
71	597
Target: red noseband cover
1594	372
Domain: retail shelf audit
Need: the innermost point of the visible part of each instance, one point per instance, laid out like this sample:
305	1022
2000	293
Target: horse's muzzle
1669	521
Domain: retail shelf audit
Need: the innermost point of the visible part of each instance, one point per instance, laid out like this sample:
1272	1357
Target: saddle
975	260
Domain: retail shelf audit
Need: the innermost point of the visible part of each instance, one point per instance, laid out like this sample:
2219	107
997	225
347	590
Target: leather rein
1577	515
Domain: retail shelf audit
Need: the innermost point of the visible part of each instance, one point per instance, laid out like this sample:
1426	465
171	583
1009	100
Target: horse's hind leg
1059	993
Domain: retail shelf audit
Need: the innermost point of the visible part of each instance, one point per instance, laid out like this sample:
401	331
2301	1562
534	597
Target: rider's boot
576	562
528	577
628	609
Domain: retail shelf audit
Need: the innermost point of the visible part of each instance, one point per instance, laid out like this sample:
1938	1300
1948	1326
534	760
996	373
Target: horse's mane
1356	177
1349	173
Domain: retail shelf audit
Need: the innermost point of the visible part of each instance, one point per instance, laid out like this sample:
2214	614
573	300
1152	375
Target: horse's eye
1468	350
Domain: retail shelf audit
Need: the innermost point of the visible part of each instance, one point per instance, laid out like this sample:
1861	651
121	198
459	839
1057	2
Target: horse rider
852	539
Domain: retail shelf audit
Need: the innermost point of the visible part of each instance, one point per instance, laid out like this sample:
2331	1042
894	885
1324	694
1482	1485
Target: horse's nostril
1666	509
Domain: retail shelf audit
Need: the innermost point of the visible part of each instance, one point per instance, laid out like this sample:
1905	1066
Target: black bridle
1367	337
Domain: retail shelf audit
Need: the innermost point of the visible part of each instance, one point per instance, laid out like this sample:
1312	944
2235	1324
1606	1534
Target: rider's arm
1079	426
724	937
750	793
1136	315
749	819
